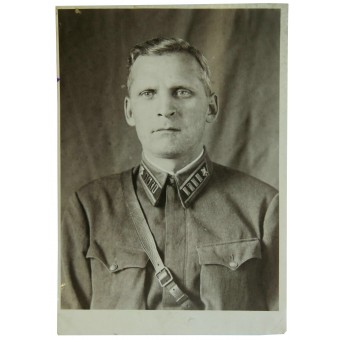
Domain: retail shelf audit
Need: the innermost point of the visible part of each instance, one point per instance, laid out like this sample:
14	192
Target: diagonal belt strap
163	273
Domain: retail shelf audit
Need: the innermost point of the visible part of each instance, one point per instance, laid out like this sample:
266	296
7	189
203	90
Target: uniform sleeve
271	254
75	268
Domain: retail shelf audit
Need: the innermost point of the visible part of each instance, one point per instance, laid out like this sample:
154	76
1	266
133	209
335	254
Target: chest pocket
118	277
231	254
118	258
231	275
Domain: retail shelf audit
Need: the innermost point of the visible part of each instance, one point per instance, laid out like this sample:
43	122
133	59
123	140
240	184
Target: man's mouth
169	129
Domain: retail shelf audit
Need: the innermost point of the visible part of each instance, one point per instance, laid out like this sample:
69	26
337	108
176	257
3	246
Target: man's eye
182	93
147	94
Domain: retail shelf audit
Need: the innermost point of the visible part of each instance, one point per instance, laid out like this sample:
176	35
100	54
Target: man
178	231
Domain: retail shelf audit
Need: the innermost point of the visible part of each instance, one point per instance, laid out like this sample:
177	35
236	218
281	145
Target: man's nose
166	106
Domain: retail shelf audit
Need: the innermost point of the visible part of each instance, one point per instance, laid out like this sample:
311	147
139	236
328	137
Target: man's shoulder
106	184
236	180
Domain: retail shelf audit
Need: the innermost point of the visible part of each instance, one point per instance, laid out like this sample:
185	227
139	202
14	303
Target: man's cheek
143	129
145	110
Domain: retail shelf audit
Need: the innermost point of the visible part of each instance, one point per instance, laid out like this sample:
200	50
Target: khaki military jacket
215	228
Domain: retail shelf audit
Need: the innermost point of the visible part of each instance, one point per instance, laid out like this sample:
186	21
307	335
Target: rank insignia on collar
152	187
189	183
194	183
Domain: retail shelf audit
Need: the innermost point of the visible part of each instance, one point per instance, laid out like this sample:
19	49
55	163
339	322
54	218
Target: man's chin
168	153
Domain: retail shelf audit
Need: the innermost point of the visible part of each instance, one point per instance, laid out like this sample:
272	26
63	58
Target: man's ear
212	108
128	113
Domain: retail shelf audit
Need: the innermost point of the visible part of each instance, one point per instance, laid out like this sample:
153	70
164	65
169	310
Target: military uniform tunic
216	229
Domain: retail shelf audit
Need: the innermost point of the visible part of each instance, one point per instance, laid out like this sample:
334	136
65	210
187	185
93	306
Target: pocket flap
230	254
118	258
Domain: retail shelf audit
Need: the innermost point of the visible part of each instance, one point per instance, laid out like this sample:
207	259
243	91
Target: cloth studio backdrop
242	47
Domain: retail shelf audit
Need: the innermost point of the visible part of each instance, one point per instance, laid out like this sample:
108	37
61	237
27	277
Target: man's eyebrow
183	86
143	87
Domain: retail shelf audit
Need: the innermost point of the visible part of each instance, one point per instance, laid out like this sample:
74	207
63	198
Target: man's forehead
177	65
167	60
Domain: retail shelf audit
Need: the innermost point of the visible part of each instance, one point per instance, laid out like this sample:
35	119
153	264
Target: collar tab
189	183
150	184
194	183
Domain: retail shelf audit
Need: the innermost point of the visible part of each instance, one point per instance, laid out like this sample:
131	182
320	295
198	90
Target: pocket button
113	267
233	264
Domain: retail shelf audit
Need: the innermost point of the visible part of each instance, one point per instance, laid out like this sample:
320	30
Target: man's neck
172	166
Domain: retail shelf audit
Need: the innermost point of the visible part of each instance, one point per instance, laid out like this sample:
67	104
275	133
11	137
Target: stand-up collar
189	183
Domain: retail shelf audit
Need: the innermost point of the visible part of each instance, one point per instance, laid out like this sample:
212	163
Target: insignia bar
194	182
150	183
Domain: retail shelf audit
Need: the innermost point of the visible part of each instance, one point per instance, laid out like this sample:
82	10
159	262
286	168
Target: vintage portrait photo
171	165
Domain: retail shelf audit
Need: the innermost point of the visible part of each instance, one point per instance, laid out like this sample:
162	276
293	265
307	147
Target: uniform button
113	267
233	264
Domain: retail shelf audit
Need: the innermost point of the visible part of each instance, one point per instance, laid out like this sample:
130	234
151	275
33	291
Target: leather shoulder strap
163	273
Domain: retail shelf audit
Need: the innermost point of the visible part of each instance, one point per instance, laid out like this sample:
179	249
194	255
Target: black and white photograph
170	168
169	122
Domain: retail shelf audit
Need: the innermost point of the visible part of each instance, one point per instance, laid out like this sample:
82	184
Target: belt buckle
164	276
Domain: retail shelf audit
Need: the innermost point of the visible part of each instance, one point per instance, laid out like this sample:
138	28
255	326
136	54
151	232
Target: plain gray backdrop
243	50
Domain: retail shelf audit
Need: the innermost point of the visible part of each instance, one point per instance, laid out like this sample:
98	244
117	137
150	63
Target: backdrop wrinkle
242	48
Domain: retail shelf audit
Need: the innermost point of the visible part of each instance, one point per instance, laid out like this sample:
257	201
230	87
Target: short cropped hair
160	46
